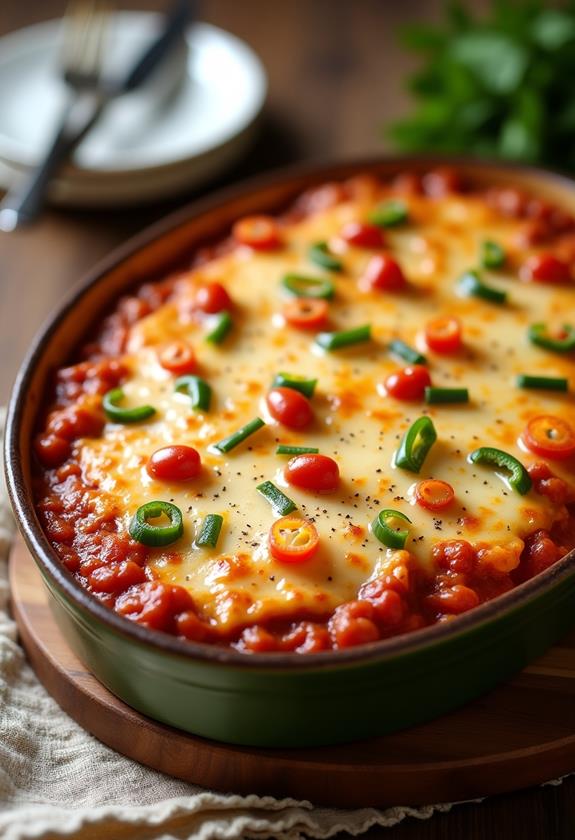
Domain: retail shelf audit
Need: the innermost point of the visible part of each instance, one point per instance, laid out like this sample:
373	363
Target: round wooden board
521	734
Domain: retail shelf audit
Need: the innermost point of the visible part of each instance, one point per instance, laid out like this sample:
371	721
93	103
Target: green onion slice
488	455
382	529
210	530
415	445
124	415
236	438
197	390
223	325
492	255
146	533
471	285
301	286
434	396
281	503
296	450
538	334
390	214
404	351
547	383
296	383
320	255
345	338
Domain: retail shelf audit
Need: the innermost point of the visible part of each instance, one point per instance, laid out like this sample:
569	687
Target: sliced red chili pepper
258	232
434	494
305	313
178	357
443	335
293	539
549	436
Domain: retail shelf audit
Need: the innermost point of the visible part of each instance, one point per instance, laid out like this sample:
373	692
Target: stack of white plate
191	120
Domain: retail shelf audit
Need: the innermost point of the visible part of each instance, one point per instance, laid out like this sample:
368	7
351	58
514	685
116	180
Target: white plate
189	121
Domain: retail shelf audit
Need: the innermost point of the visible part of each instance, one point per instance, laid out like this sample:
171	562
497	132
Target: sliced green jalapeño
471	285
296	383
115	412
415	445
519	479
389	214
301	286
222	326
385	533
563	343
147	533
320	254
492	255
197	390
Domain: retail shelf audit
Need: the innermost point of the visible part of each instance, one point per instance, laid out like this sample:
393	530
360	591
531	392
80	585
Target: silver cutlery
90	91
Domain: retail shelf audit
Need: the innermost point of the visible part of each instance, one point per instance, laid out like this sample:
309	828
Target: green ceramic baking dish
279	699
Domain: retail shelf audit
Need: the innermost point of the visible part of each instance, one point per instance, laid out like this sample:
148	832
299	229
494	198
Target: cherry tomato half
382	273
443	335
545	268
212	298
174	463
259	232
289	407
178	357
409	383
550	437
305	313
313	472
363	235
434	494
293	539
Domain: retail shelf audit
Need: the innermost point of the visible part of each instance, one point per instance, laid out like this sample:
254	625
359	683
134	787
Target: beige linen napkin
57	780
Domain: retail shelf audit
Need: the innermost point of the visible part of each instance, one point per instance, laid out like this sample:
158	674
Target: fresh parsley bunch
503	86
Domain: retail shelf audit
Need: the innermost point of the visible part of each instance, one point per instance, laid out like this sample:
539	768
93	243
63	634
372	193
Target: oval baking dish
274	699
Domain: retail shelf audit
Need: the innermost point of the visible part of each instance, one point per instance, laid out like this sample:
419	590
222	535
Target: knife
23	203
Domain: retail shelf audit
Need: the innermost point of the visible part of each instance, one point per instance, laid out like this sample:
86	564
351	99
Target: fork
85	23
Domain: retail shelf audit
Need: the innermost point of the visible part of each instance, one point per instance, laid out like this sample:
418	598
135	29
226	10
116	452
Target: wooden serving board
521	734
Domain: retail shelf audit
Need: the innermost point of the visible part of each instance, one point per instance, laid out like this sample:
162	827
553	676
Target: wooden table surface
335	72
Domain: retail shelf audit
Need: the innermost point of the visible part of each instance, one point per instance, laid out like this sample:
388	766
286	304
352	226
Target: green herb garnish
499	85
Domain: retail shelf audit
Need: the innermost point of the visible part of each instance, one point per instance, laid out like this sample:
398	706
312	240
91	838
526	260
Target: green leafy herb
499	85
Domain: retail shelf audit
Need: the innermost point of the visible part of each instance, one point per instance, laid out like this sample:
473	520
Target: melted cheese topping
355	422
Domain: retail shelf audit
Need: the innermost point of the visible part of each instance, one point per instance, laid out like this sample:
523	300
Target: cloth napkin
57	780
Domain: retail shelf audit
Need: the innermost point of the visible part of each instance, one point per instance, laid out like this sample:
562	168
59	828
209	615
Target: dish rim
52	567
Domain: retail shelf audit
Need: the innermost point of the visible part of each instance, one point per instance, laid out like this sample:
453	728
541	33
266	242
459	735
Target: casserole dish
274	699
